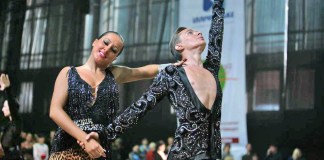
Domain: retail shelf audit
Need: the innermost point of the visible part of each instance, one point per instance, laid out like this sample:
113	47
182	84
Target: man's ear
178	47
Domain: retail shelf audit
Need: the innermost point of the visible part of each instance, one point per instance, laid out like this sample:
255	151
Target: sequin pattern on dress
87	112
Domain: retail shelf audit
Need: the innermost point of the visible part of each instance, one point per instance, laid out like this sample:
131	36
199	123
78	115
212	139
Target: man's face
145	141
170	140
190	39
249	147
5	109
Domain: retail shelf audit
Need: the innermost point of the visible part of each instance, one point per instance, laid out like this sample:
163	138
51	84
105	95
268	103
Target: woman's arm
60	117
125	74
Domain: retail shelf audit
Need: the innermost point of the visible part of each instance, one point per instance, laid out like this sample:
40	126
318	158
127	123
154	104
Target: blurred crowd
272	153
144	151
35	146
159	150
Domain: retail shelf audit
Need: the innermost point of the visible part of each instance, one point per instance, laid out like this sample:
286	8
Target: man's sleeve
137	110
215	38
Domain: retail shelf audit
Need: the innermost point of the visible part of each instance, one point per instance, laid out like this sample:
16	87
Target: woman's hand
93	148
92	135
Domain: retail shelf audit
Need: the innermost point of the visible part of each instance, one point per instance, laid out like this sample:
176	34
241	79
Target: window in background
266	91
300	89
26	97
52	34
306	25
268	26
33	38
5	40
146	26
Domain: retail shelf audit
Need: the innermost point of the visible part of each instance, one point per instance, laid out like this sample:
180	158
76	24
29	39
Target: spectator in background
22	136
272	153
227	151
117	149
248	154
135	154
40	149
160	151
170	142
150	153
255	156
52	134
27	147
296	155
10	140
143	148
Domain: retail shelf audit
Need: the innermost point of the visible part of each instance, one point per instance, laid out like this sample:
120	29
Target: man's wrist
101	135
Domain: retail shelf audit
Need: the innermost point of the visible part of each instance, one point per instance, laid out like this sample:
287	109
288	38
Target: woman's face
106	49
5	109
29	137
162	147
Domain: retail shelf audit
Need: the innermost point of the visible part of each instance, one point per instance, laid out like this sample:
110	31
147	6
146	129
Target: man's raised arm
215	37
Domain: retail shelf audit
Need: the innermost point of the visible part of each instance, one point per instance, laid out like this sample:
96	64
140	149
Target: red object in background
230	140
43	156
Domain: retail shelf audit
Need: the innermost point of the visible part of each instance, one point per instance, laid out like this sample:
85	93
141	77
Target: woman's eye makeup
106	42
115	50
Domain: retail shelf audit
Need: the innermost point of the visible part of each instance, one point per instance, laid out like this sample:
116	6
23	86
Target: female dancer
85	99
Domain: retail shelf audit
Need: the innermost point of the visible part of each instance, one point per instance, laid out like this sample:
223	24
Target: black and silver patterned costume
88	112
198	134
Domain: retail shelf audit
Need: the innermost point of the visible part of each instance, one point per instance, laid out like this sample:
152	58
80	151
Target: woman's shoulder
65	73
66	69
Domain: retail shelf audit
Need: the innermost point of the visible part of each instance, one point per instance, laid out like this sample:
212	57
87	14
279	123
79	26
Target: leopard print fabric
70	154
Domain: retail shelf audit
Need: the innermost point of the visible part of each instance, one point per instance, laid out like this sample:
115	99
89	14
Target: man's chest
201	80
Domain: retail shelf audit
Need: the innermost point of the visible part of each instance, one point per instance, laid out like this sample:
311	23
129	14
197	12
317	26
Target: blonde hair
296	154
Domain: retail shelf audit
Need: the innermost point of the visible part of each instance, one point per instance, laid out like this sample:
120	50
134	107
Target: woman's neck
92	67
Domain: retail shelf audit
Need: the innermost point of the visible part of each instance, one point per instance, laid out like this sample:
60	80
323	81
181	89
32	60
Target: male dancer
193	90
